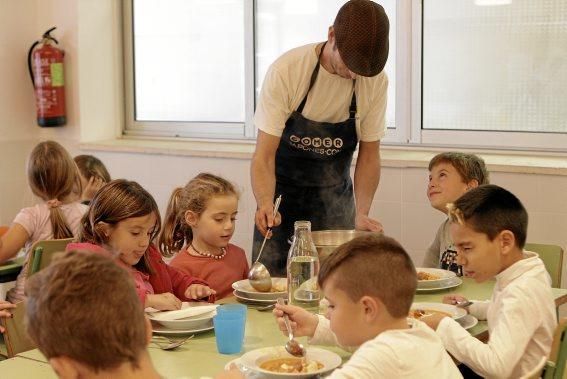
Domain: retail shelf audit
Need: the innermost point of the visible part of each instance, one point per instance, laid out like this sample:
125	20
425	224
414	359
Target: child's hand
303	323
198	291
4	306
92	187
454	299
232	373
433	320
163	302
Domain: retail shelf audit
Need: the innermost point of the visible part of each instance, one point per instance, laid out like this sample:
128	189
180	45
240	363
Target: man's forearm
263	177
366	179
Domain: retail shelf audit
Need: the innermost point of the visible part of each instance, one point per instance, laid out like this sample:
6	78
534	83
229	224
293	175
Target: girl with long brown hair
54	178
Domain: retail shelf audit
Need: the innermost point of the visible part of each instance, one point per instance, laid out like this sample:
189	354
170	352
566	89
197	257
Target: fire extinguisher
45	65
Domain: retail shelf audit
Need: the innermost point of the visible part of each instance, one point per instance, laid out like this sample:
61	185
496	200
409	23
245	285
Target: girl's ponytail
58	224
175	232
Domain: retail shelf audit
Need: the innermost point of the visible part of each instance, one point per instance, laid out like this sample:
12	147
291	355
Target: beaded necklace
207	254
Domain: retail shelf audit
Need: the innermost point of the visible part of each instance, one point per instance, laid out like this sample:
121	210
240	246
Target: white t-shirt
287	81
35	220
521	321
416	352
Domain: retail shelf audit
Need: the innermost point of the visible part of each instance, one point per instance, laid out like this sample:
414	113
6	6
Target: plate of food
276	363
190	316
243	298
419	310
160	329
279	289
432	277
451	283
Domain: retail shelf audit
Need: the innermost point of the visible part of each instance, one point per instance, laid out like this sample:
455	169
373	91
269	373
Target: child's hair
117	201
469	166
90	166
375	266
193	197
85	307
490	209
53	176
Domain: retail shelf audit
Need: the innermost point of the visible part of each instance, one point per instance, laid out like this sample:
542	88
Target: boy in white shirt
370	283
451	174
488	227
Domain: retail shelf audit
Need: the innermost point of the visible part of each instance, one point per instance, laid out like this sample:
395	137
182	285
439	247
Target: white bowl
444	276
252	360
455	312
203	315
244	287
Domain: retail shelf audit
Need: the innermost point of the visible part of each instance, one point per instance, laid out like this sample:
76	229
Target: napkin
186	311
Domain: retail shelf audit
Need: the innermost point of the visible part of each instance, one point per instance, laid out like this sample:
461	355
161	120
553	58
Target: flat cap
361	33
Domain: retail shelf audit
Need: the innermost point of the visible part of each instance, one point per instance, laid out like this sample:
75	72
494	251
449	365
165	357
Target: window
476	73
192	71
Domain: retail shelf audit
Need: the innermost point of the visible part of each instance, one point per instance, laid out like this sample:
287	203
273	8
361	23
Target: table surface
199	357
11	266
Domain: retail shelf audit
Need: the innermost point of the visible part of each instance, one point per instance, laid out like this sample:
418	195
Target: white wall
94	113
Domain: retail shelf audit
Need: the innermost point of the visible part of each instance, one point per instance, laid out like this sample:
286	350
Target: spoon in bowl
292	346
259	276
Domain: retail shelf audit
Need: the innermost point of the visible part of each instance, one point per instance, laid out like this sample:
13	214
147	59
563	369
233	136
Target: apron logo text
330	146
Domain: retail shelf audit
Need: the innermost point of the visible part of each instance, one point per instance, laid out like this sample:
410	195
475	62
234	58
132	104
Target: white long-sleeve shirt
416	352
521	321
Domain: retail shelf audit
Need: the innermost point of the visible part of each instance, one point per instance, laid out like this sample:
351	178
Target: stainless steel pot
326	241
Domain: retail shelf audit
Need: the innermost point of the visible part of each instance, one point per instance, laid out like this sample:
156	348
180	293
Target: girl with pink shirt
199	224
123	220
54	178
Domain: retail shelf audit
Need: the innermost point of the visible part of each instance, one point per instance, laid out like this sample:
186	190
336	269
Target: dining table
198	357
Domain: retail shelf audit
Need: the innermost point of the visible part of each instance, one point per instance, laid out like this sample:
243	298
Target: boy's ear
191	218
371	306
507	241
65	367
472	184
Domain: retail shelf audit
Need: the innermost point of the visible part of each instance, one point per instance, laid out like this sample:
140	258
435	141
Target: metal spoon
292	346
172	344
259	276
463	303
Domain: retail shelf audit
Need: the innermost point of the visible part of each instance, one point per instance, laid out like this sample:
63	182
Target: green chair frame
555	368
15	336
41	253
552	257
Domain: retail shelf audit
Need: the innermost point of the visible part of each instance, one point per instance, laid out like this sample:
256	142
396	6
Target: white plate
468	321
455	282
455	312
160	329
244	287
243	298
203	313
252	359
444	276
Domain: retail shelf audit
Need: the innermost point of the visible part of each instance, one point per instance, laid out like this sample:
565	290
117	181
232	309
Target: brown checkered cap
361	33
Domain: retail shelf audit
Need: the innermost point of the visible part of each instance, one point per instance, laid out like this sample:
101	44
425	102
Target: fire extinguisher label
56	74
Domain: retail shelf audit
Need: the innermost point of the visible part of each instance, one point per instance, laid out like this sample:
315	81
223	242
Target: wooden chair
42	253
555	368
552	257
15	336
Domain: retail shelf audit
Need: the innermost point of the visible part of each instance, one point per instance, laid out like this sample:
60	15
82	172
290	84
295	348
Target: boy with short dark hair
370	283
85	317
451	174
489	226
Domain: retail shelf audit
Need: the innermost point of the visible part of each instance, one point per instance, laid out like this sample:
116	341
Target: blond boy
370	283
84	315
488	227
451	174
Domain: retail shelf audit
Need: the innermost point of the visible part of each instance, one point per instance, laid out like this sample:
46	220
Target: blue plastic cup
232	308
229	331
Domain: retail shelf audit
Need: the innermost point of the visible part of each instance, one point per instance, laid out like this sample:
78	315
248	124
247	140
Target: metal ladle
259	276
292	346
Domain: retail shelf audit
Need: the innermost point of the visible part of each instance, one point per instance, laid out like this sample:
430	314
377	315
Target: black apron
313	176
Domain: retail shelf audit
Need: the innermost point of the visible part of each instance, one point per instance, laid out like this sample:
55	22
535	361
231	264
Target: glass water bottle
303	268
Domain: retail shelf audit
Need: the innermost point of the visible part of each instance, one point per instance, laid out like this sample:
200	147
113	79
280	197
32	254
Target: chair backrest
15	336
558	353
552	257
536	372
42	253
